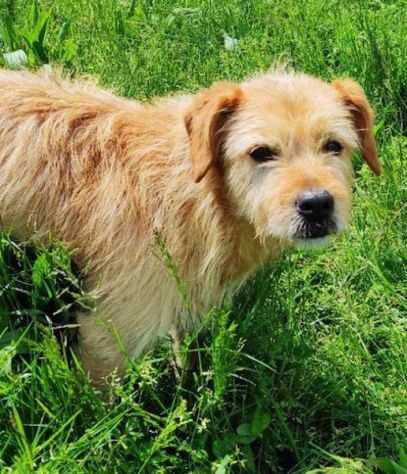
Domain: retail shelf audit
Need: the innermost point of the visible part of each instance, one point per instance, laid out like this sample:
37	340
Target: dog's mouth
308	231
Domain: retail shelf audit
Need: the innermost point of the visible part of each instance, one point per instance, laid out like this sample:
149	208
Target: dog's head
281	145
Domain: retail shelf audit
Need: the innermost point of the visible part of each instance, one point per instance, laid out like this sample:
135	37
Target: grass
307	370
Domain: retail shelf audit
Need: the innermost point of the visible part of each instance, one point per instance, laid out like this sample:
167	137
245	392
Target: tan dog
226	178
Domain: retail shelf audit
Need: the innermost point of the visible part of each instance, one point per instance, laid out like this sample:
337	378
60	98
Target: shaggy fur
110	177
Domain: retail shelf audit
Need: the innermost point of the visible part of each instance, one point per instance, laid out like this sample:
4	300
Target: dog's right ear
204	121
356	101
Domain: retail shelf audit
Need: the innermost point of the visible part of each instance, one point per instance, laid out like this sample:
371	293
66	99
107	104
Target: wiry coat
112	178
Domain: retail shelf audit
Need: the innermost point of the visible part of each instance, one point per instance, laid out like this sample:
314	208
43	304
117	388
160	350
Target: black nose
315	206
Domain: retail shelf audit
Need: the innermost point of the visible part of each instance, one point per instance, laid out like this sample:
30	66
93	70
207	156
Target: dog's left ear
204	121
355	100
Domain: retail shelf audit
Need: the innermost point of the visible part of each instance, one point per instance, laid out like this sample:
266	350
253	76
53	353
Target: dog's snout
315	205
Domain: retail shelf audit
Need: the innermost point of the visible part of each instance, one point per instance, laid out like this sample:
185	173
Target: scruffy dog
226	179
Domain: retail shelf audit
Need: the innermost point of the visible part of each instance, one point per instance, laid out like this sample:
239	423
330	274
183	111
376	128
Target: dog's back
42	143
62	148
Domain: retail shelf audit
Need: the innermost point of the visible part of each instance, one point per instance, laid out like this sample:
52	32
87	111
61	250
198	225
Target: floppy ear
355	100
204	121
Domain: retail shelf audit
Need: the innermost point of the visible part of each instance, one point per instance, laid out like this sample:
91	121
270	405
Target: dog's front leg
100	350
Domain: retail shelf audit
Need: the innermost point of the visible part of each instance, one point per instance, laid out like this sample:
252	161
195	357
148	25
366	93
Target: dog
225	179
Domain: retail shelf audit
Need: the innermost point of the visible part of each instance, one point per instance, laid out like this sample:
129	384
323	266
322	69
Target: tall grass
307	369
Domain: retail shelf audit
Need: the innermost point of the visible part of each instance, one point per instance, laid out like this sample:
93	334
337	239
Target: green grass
307	370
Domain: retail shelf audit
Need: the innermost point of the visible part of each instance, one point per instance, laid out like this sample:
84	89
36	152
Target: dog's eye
263	153
332	146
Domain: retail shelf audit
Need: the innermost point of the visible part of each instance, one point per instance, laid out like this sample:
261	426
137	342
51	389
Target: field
307	370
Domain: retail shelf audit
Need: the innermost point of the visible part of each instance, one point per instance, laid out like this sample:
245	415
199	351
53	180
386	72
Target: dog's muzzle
316	209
